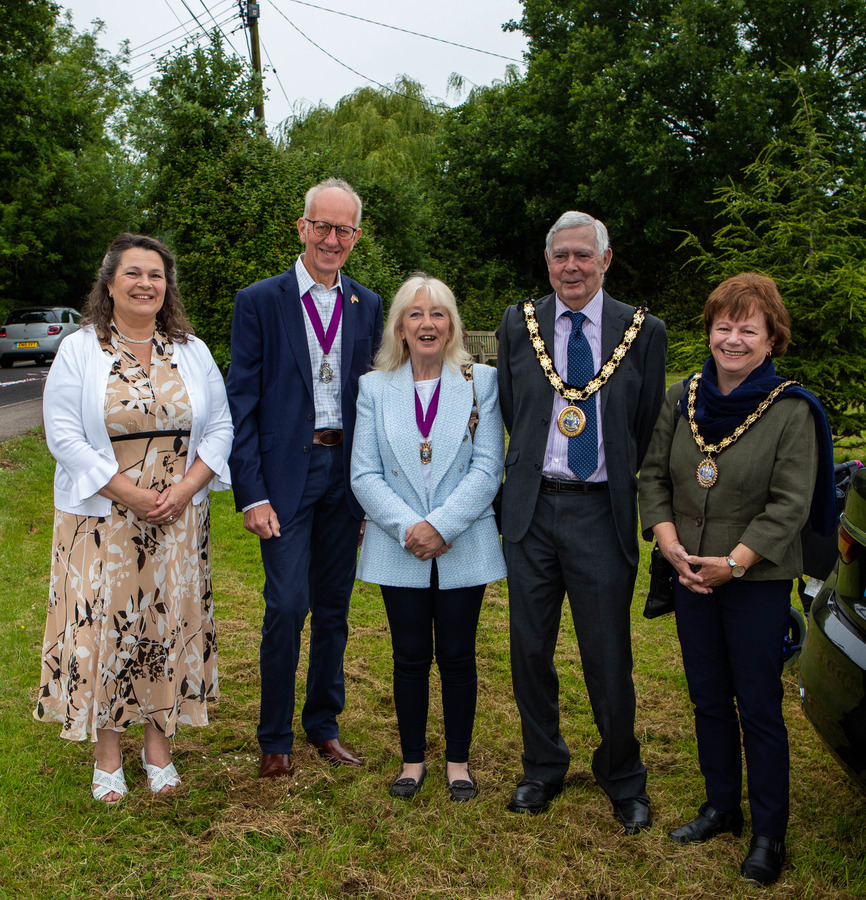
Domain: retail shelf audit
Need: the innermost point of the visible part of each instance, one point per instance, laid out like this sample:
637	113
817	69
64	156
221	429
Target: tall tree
799	217
60	164
635	112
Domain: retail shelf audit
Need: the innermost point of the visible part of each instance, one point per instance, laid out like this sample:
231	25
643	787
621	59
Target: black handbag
660	599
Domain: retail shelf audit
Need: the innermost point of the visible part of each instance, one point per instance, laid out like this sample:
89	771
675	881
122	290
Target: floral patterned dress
130	631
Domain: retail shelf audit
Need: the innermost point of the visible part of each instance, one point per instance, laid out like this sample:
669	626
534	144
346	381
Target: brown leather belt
328	437
555	485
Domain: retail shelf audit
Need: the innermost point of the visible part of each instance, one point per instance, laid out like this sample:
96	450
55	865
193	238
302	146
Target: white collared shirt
556	454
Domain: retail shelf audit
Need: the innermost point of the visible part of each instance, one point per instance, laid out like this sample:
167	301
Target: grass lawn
336	833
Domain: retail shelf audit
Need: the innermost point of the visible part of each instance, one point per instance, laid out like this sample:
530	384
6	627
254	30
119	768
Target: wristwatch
736	569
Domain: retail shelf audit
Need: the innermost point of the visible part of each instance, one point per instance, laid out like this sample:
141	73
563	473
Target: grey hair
393	351
574	219
332	183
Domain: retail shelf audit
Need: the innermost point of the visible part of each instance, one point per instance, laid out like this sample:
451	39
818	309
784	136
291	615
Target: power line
428	37
274	70
340	62
225	36
153	63
182	26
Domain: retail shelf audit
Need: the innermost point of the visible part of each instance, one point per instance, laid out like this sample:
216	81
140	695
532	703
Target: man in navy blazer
300	342
569	512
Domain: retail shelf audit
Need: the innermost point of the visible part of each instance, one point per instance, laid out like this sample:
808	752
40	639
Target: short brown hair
739	295
171	319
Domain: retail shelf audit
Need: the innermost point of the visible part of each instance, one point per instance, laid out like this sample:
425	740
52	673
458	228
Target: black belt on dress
556	485
135	435
328	437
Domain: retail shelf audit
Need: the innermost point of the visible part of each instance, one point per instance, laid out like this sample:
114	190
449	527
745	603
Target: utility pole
253	25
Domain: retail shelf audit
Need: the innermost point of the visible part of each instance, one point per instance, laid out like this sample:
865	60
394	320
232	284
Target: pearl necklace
130	340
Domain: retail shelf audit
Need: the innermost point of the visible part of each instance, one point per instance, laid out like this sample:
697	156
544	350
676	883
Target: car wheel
6	363
793	642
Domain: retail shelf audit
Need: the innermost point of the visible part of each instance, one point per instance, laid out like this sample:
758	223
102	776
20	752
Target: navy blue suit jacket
270	388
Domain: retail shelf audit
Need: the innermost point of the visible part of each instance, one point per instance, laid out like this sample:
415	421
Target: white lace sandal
105	783
157	778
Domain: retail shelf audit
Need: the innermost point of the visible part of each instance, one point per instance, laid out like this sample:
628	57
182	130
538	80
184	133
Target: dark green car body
833	660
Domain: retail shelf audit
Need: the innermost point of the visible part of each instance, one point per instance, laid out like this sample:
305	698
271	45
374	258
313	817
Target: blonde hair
393	351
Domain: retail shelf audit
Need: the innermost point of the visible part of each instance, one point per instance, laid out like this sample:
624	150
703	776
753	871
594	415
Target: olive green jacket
761	497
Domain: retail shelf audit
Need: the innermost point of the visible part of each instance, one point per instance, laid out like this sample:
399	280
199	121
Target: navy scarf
718	414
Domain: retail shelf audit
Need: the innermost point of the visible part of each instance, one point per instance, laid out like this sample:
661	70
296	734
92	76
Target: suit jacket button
461	468
394	472
310	417
306	449
544	421
465	438
537	467
699	521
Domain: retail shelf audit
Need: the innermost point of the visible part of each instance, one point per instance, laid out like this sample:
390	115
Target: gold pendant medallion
426	452
708	472
571	421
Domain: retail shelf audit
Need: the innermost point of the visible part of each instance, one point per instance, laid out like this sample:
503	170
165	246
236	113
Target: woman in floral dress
136	417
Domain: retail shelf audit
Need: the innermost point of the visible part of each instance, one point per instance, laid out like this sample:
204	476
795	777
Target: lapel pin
354	298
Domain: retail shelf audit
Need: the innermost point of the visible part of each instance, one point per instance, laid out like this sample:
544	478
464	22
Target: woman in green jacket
739	460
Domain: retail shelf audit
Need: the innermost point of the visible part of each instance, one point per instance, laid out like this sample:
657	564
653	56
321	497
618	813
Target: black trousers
425	622
572	547
732	653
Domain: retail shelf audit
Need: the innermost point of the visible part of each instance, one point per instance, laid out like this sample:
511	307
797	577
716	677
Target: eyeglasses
323	229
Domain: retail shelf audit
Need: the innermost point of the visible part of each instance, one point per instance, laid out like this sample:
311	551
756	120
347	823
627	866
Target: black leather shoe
634	813
709	823
533	796
407	788
763	863
462	789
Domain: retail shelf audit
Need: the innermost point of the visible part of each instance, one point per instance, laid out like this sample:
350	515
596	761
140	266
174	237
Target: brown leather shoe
275	765
336	753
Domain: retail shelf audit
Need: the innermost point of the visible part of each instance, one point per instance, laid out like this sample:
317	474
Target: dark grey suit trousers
572	548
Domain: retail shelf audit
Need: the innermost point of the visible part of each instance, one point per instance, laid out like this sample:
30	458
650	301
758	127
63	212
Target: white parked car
35	333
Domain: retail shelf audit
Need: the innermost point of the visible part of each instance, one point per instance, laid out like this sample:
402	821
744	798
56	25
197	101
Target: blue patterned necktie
583	449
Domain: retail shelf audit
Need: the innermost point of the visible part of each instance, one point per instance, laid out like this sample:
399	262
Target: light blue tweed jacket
388	482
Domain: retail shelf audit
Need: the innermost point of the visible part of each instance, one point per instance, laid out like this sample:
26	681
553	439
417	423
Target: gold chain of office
708	469
568	392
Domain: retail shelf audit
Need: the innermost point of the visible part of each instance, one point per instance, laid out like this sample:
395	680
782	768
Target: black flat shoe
407	788
709	823
533	796
763	863
462	789
633	813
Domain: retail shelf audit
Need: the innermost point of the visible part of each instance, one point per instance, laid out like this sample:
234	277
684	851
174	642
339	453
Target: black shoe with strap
633	813
709	823
533	796
763	863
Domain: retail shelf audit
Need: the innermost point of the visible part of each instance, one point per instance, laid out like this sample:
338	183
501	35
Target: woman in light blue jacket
426	464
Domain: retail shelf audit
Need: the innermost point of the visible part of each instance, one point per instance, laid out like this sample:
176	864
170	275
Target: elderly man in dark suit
300	342
581	382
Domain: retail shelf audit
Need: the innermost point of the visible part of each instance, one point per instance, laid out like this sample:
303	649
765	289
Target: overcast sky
299	73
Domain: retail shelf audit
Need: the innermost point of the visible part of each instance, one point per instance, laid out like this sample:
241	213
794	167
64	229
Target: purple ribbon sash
325	340
425	423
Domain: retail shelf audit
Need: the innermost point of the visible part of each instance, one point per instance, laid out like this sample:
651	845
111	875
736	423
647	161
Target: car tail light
849	549
3	331
54	329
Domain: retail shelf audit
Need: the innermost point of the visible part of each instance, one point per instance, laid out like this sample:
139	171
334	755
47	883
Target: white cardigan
73	411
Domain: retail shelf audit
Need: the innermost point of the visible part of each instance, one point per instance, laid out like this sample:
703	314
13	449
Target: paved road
20	399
